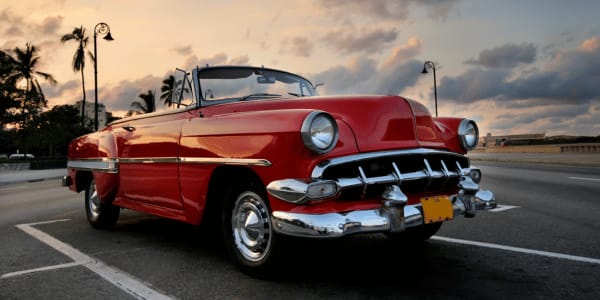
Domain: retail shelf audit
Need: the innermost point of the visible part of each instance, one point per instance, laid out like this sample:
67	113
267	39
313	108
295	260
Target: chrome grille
415	170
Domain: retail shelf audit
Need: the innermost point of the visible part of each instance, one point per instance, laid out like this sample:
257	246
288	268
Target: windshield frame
242	72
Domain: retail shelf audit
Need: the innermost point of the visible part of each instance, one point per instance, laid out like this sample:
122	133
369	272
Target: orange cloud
590	45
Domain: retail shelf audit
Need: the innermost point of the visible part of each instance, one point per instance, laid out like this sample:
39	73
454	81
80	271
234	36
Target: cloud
10	24
17	30
475	84
120	96
403	53
241	60
398	10
183	50
365	40
364	76
377	8
570	77
193	61
439	9
60	89
220	58
559	96
50	25
505	56
356	77
13	31
297	46
590	45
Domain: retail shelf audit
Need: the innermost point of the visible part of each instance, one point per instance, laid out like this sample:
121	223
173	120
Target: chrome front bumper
391	217
392	169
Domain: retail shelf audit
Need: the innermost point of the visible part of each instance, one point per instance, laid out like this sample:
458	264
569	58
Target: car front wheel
99	214
248	232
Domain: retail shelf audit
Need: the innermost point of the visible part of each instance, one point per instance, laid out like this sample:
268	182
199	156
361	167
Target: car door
148	161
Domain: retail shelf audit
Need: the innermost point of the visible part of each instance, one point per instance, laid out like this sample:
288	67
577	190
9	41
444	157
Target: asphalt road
541	244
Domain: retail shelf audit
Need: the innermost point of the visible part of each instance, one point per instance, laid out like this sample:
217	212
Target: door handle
129	128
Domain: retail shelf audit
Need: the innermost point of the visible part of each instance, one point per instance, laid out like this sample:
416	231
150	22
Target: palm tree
25	70
167	90
25	63
147	105
9	94
78	35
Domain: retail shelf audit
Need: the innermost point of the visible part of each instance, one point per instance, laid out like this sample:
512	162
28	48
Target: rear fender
94	154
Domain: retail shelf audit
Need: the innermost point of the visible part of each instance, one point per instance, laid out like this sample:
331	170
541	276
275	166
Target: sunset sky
513	66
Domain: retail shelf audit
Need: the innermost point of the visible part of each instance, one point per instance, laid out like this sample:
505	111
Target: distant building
500	140
90	113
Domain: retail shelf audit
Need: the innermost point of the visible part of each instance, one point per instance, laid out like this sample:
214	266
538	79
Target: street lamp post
103	30
429	65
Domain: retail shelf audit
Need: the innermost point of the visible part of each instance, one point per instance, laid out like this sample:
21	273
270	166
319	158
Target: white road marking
520	250
585	178
500	208
48	268
122	280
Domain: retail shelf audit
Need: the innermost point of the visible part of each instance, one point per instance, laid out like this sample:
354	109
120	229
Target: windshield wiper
259	95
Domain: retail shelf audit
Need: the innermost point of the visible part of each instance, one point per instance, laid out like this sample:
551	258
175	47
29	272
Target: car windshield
247	83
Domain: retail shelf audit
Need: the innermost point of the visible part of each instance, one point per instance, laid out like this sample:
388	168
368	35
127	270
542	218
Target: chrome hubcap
251	227
94	201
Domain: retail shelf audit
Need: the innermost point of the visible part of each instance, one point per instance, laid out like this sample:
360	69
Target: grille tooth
397	173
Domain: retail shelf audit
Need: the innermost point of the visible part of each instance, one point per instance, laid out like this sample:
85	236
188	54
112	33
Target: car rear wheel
248	232
416	234
99	214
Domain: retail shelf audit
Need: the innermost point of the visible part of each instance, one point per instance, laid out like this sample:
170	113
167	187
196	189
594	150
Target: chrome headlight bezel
319	132
468	134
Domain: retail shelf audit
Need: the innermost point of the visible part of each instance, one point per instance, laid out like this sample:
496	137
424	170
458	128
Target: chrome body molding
107	165
385	219
148	160
111	165
226	161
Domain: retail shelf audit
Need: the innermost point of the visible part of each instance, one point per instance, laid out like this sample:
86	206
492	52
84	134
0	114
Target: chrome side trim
107	165
111	165
148	160
226	161
321	167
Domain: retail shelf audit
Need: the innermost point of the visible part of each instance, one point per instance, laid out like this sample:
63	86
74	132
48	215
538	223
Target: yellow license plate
436	209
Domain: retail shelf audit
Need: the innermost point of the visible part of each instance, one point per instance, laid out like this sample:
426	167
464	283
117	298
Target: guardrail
581	148
14	166
557	148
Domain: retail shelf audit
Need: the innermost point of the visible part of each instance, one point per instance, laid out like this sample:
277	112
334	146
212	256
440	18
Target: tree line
26	126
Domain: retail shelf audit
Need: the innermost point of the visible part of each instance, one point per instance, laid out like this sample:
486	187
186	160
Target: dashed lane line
519	250
48	268
585	178
503	208
122	280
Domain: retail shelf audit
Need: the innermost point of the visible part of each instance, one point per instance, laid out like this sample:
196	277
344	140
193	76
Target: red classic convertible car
256	151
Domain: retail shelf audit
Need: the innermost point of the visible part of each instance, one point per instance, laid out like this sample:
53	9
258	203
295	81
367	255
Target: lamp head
109	37
424	70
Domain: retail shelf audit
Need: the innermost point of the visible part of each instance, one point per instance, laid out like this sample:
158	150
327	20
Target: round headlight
319	132
468	134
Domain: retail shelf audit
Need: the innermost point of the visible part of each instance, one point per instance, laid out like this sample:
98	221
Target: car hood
377	122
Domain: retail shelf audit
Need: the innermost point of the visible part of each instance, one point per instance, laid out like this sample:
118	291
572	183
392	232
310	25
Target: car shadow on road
365	264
